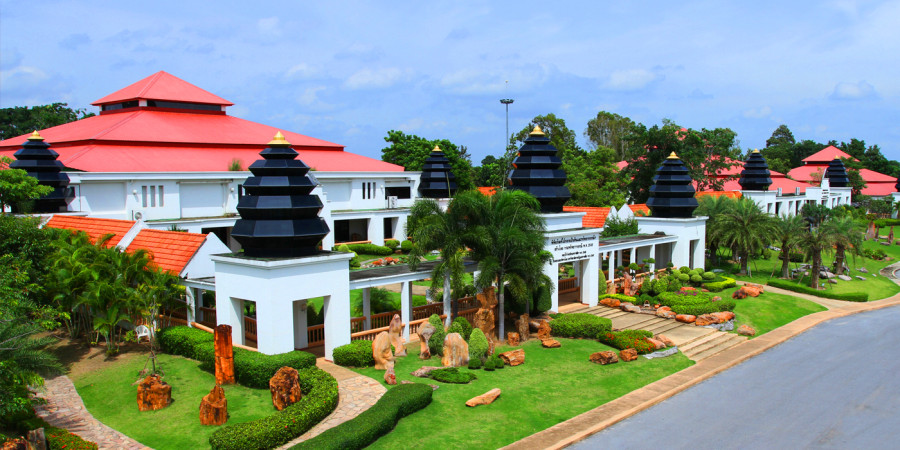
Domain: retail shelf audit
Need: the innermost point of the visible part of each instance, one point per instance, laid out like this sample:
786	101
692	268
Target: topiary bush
694	303
406	246
462	326
709	276
364	429
391	244
542	299
452	375
475	363
579	325
636	339
343	248
497	362
320	397
718	286
354	354
370	249
850	296
489	365
620	297
696	279
436	342
684	269
683	277
478	345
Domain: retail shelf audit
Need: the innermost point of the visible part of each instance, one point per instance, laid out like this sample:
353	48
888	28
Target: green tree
20	120
492	171
779	149
16	187
609	130
619	227
410	151
814	241
714	207
846	237
746	229
787	231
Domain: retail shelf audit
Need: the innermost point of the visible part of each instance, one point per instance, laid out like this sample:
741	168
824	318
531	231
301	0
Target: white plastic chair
141	331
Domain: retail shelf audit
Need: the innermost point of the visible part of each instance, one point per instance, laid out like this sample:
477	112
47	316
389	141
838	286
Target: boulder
630	307
550	343
657	343
832	281
395	329
665	340
825	274
746	330
665	314
425	332
845	277
37	440
739	294
663	308
424	371
512	338
611	302
224	355
214	407
484	317
543	331
153	394
389	376
484	399
604	358
610	287
629	354
513	357
862	270
685	318
752	290
704	320
522	327
285	388
860	278
723	316
715	298
456	351
381	350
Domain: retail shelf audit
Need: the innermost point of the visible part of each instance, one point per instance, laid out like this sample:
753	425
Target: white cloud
493	81
309	96
758	113
411	125
301	71
268	27
851	91
630	79
378	78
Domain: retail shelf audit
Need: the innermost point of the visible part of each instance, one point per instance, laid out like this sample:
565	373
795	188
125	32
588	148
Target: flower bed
636	339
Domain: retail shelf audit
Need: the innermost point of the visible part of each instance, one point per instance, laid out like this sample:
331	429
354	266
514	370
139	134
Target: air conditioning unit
392	202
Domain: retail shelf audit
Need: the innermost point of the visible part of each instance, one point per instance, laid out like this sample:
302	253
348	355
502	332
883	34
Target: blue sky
348	72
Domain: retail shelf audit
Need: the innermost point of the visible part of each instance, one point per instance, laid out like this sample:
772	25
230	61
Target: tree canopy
17	187
19	120
609	130
410	151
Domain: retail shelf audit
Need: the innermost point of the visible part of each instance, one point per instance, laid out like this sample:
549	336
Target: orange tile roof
640	209
170	250
595	217
488	190
730	194
94	227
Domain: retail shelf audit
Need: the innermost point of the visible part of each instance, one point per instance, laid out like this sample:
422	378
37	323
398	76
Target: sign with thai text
574	248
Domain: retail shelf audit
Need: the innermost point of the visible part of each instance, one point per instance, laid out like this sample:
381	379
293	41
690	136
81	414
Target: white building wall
689	250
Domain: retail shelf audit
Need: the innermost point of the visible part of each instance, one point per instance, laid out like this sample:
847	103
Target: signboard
573	248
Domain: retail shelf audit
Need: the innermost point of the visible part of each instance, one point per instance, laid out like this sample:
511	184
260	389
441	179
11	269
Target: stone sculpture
604	358
153	394
214	407
522	327
224	351
543	332
484	317
389	376
394	330
425	332
285	388
456	351
484	399
381	350
512	338
513	357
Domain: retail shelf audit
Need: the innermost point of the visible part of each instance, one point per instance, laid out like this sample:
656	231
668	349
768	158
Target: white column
406	307
590	289
447	299
602	277
230	311
337	319
367	307
190	297
301	335
653	264
278	319
551	271
634	255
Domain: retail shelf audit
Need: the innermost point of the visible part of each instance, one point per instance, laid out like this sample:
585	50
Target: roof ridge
154	79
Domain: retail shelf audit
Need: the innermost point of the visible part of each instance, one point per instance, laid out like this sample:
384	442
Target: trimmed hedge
579	325
406	246
850	297
354	354
320	397
251	369
436	341
636	339
400	401
621	297
881	223
718	286
478	345
371	249
391	244
694	303
462	326
452	375
57	438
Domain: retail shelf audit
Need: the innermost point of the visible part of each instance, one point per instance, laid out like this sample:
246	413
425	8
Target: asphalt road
835	386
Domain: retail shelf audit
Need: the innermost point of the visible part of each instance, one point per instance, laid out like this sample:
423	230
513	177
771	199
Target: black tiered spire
672	194
837	174
36	158
536	170
279	217
756	175
437	179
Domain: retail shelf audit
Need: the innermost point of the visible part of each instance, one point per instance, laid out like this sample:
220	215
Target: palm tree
842	229
714	207
787	231
814	241
746	229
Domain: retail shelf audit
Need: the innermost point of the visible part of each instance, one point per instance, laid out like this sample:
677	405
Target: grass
770	311
109	395
552	386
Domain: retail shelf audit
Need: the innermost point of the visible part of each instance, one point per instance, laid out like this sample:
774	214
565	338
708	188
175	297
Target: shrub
542	299
709	276
370	249
364	429
621	297
478	345
693	272
694	303
355	262
876	254
684	269
850	297
391	244
881	223
452	375
579	325
57	438
499	363
354	354
251	369
683	277
696	278
462	326
718	286
436	342
406	246
320	397
489	365
475	363
636	339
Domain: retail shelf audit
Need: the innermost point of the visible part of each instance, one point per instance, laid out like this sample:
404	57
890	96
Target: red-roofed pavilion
877	184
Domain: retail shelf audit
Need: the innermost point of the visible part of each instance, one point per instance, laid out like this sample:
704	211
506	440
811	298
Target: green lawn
770	311
109	395
552	386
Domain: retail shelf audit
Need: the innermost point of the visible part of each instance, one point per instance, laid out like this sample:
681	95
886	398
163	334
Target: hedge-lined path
356	394
64	409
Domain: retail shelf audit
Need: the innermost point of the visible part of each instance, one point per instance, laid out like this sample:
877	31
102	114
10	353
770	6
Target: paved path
64	409
834	386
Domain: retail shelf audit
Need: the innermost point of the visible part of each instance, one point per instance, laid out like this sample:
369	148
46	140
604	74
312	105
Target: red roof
826	155
169	250
877	184
640	208
595	217
163	86
622	164
729	194
94	227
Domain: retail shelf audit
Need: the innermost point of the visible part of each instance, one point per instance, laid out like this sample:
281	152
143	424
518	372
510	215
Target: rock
543	331
214	407
37	439
845	277
610	287
826	274
456	351
381	350
657	343
604	358
685	318
389	376
425	332
285	388
861	278
715	299
722	317
484	399
628	286
862	270
424	371
665	314
629	354
484	317
550	343
662	354
832	281
739	294
224	355
746	330
885	243
665	340
522	327
629	307
704	320
491	345
513	357
663	308
611	302
512	338
14	444
395	329
153	394
752	290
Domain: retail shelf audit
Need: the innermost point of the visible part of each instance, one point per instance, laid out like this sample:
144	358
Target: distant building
878	185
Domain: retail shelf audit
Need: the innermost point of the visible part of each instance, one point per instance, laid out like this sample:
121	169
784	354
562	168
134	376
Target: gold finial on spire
755	150
537	131
35	136
279	140
436	149
672	156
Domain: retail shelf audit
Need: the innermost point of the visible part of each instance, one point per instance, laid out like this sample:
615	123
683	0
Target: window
152	196
399	192
149	196
162	199
183	105
144	196
368	190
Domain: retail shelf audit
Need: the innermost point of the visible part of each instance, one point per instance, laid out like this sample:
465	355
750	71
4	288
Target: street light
506	101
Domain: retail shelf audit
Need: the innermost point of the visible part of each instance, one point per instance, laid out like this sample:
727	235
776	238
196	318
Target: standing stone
285	388
37	439
543	331
381	350
629	354
522	326
394	330
513	357
153	394
890	237
456	351
611	287
604	358
484	399
484	317
627	284
746	330
214	407
425	332
550	343
389	376
224	355
512	338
